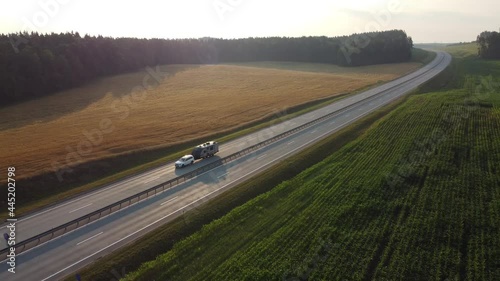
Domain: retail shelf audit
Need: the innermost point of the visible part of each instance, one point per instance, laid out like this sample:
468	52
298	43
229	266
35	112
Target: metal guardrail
110	209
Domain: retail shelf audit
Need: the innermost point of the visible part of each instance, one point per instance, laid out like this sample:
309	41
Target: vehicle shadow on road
198	164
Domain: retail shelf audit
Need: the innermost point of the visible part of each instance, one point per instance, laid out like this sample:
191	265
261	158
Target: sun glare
361	4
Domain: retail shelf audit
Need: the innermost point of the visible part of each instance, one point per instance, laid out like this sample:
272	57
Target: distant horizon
198	38
425	21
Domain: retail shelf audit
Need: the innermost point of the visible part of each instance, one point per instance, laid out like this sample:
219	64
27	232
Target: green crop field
417	197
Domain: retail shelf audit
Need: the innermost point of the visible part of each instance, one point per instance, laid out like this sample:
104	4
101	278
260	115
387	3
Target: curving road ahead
59	257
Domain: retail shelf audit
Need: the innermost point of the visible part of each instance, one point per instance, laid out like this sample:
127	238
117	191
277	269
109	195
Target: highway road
66	254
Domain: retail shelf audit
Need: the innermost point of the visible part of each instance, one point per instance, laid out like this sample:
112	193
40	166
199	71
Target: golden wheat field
113	115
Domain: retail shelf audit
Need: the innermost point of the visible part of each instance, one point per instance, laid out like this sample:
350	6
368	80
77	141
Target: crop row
417	197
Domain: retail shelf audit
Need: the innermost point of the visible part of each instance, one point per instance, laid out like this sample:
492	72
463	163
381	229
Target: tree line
34	65
489	45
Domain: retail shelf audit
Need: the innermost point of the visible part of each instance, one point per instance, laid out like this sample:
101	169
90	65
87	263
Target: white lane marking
221	176
89	238
359	109
170	200
333	122
195	201
137	231
164	217
80	208
290	142
111	186
314	131
262	156
150	180
201	198
347	115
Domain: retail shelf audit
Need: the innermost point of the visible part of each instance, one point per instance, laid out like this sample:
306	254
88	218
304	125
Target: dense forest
489	45
34	65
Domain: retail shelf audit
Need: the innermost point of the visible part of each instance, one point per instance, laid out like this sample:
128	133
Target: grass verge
422	56
414	197
227	96
42	191
162	239
46	189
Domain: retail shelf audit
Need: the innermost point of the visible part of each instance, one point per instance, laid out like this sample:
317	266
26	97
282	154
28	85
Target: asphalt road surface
61	256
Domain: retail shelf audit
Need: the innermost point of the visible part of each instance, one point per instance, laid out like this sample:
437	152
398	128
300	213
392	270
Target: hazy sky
424	20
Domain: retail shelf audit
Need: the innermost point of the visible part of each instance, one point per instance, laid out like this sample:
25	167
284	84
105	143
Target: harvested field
108	117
